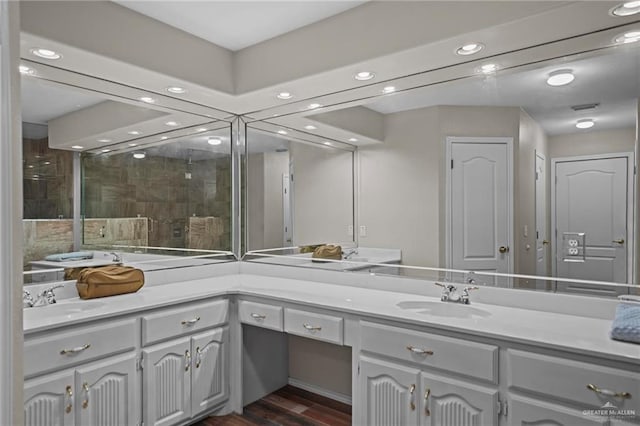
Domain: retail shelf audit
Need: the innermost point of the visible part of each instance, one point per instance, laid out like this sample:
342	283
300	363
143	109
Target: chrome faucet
450	293
347	254
46	297
117	257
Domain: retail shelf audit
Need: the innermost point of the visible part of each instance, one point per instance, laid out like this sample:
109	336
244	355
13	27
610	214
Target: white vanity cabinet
49	400
186	374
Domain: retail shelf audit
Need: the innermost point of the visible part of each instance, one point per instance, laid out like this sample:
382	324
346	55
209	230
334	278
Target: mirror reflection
527	171
109	179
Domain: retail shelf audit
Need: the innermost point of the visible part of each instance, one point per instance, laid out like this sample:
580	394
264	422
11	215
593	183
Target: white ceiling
612	79
239	24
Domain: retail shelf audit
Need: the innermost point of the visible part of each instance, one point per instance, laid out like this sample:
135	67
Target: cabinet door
388	393
49	400
450	402
210	372
106	392
526	411
166	384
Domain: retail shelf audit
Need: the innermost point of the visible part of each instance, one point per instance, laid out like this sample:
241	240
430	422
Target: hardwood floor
288	406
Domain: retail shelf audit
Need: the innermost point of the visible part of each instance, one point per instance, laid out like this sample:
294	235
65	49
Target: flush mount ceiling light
176	89
282	132
147	99
105	150
470	49
629	37
164	138
284	95
172	123
202	129
327	143
134	132
26	70
310	127
77	146
214	141
585	123
139	155
488	68
364	75
560	78
313	106
388	89
353	140
104	140
133	144
46	53
626	9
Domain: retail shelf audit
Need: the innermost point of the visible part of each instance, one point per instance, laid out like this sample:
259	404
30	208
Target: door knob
504	249
620	241
545	242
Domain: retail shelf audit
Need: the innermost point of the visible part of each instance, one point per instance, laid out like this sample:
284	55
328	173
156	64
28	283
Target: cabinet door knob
187	360
85	388
427	394
412	404
607	392
69	392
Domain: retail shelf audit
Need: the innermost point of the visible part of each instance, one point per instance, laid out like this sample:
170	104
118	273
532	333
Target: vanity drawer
176	322
261	315
471	359
315	326
558	378
72	346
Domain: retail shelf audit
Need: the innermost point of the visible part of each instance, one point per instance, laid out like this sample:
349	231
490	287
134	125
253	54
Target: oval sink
444	309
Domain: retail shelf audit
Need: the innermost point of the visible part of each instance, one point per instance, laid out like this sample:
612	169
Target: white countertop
359	260
583	335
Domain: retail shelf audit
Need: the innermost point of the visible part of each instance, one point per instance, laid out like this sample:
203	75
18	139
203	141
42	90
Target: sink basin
64	308
357	259
444	309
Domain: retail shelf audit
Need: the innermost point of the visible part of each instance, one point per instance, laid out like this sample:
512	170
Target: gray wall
592	142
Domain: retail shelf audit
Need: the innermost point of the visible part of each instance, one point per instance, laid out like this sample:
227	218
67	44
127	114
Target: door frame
538	154
630	156
508	141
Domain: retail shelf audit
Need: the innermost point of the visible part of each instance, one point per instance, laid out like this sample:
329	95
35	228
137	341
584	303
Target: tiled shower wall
167	191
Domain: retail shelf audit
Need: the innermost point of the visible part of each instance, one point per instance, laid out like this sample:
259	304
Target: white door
106	392
591	198
479	205
210	371
542	239
49	400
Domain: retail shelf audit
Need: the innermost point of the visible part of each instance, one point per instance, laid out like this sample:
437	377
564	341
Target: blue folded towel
626	324
63	257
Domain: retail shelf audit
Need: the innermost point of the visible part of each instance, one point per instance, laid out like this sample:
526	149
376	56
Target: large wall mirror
113	174
519	167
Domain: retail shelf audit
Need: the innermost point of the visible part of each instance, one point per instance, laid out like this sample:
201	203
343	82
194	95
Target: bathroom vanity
170	354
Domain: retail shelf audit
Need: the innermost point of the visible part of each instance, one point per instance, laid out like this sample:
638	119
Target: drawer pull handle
187	360
75	350
85	403
412	404
427	394
258	316
311	327
191	321
69	392
607	392
419	351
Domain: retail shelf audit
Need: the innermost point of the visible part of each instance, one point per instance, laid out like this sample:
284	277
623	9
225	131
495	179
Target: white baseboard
337	396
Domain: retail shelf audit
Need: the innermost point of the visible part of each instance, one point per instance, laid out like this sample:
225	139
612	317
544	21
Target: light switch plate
363	231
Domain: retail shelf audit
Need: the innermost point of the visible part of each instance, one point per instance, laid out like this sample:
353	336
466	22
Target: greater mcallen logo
610	410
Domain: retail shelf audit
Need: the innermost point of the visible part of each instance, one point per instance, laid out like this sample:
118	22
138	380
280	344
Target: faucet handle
471	287
49	295
27	299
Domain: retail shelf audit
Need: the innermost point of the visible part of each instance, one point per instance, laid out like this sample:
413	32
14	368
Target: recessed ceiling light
176	89
488	68
133	144
284	95
560	78
47	163
106	150
470	49
327	143
164	138
313	106
585	123
282	132
310	127
353	140
388	89
147	99
104	140
628	37
30	166
26	70
46	53
172	123
139	155
77	146
626	9
36	176
134	132
201	129
364	75
214	141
